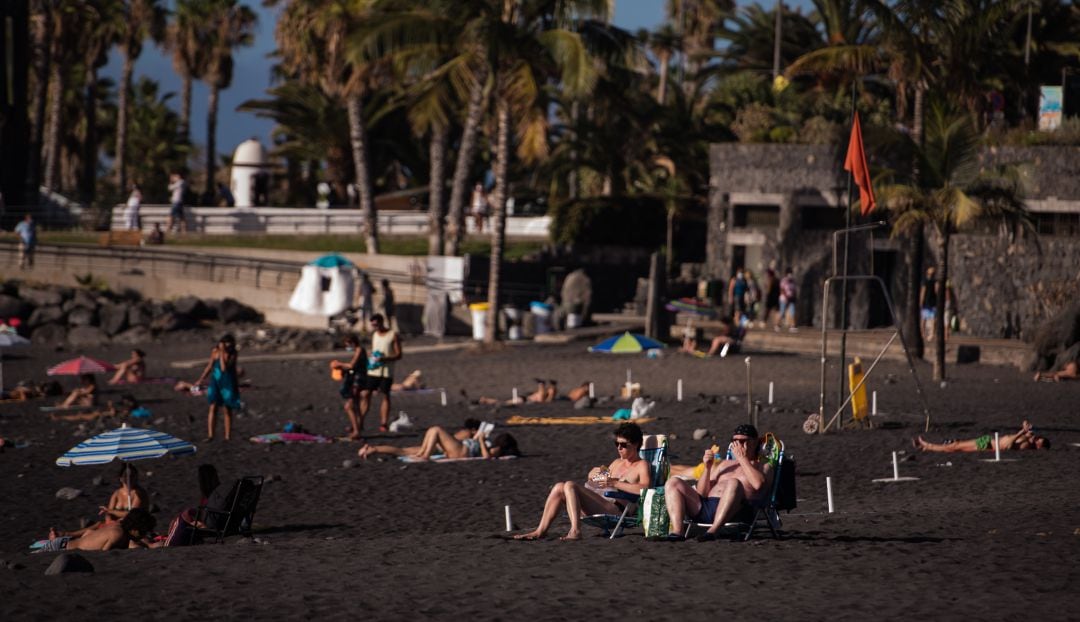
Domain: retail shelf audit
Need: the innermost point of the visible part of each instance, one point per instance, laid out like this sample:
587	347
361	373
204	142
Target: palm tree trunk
939	315
437	189
52	140
498	217
918	113
661	89
88	177
42	61
913	316
455	220
358	140
670	241
211	142
122	121
184	127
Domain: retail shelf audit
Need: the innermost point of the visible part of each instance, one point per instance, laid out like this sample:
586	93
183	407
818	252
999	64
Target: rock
49	334
82	316
134	336
69	562
67	493
40	297
700	433
85	298
1055	336
113	318
231	311
170	321
10	306
99	480
347	464
51	314
139	315
87	337
194	308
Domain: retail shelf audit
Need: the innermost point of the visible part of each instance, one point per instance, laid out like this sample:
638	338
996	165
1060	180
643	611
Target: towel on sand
443	458
578	420
290	437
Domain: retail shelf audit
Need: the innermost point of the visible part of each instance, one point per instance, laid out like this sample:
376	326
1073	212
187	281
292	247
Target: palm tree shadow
815	536
298	528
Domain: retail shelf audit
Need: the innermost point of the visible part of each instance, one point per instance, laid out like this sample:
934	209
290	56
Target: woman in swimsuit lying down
1024	439
468	442
628	473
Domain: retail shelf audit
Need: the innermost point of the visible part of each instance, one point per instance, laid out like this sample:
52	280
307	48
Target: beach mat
289	438
580	420
440	458
64	409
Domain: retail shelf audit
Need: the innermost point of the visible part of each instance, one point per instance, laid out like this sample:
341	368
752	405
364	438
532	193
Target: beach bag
785	488
654	516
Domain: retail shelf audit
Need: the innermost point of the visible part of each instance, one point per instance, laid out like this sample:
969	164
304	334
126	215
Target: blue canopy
125	444
332	260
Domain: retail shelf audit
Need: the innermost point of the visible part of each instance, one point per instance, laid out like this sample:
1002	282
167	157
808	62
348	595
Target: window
820	217
756	216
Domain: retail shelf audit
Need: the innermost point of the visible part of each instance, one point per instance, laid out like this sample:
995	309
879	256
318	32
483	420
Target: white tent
325	288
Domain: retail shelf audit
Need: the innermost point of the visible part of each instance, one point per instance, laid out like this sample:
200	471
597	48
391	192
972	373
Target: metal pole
844	283
776	39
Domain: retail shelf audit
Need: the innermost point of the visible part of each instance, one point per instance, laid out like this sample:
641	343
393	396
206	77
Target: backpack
785	489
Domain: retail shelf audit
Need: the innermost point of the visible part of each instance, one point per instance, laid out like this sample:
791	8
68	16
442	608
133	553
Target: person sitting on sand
627	473
1024	439
722	489
1071	371
722	343
131	371
83	396
126	408
412	382
129	496
353	378
128	532
468	442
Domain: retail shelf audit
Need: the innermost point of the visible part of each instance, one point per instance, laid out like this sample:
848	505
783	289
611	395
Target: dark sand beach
386	540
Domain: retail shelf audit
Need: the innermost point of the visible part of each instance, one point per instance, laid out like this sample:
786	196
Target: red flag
856	164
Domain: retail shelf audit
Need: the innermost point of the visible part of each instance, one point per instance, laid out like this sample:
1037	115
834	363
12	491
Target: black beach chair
237	517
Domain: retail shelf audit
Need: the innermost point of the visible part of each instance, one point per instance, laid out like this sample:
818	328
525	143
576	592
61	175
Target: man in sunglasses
724	486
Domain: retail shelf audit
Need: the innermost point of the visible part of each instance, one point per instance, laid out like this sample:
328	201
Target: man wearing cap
723	488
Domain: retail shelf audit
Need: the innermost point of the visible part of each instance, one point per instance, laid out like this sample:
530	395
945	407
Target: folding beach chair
237	519
654	450
780	496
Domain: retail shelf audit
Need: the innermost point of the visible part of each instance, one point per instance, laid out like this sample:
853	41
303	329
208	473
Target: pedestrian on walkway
27	232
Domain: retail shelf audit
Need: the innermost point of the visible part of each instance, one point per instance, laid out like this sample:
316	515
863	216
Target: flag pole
844	283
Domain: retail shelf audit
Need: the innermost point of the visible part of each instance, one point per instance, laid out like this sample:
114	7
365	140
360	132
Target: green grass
391	245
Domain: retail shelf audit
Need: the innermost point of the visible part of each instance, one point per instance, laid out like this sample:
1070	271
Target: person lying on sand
128	404
128	532
412	382
720	345
546	391
129	496
28	391
578	392
84	395
468	442
628	473
131	371
1024	439
721	490
1071	371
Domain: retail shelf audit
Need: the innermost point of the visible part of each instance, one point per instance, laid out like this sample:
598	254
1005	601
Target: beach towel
578	420
60	409
440	458
289	438
156	380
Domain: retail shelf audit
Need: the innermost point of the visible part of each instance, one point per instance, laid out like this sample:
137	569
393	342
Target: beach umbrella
79	366
8	339
626	343
333	260
125	444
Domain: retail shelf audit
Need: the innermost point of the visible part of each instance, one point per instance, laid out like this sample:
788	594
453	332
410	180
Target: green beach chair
654	450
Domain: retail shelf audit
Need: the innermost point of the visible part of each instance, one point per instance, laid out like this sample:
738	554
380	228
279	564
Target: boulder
49	334
232	311
85	298
40	297
82	316
113	318
87	337
134	336
67	494
700	433
194	308
139	315
51	314
170	321
10	306
69	562
1055	336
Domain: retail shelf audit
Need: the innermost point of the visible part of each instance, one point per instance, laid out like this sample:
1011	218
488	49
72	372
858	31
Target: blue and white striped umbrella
125	444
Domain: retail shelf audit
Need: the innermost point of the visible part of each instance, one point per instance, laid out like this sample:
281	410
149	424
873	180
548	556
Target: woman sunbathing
468	442
1069	372
129	496
628	473
127	407
131	371
412	382
85	395
1024	439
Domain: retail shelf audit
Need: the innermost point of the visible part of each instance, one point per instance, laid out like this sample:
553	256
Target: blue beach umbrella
626	343
125	444
332	260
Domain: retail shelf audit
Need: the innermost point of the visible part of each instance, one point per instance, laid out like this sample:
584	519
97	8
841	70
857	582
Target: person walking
27	232
385	350
388	306
479	207
789	295
177	188
131	212
365	300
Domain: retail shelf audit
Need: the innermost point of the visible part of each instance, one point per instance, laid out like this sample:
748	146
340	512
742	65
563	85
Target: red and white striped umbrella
79	366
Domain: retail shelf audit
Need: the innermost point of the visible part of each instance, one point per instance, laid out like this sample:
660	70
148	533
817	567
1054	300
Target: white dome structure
248	165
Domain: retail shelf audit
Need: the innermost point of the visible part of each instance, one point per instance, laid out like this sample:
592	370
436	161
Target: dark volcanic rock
1055	336
49	334
85	298
51	314
82	316
194	308
69	562
113	318
232	311
139	315
40	297
134	336
87	337
10	306
170	321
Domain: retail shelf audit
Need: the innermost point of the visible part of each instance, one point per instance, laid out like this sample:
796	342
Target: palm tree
185	38
950	192
68	18
229	26
141	20
151	136
41	19
97	37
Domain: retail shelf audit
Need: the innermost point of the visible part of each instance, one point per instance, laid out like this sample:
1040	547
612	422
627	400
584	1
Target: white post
628	381
509	524
770	392
828	492
514	393
678	390
442	396
895	467
873	403
592	391
997	448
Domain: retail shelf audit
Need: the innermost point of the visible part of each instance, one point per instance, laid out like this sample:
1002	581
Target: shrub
624	221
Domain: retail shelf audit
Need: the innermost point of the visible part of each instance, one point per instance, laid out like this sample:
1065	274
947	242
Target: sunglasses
621	444
740	440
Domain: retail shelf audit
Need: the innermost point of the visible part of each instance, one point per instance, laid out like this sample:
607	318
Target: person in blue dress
223	388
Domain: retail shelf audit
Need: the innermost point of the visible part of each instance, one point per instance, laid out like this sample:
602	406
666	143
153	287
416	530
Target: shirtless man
129	532
1024	439
721	490
131	371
